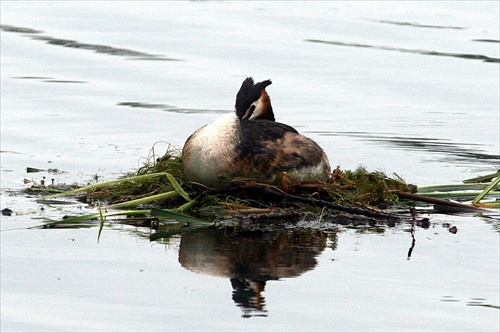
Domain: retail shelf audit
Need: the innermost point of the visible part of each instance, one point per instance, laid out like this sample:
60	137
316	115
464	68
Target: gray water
87	88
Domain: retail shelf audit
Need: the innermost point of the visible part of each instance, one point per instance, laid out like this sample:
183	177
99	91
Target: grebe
251	144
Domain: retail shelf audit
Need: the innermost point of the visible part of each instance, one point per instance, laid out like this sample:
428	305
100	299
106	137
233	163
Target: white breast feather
212	153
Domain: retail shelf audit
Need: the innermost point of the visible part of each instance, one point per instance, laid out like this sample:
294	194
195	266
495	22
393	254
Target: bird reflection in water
251	258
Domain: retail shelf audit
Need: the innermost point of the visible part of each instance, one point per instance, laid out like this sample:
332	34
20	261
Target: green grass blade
85	218
144	200
482	178
451	187
103	184
178	187
457	194
178	217
187	205
486	190
193	223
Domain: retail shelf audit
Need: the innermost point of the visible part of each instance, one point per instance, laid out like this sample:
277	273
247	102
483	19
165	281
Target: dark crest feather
249	93
242	94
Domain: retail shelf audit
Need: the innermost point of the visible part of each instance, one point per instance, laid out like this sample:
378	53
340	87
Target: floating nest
359	192
159	189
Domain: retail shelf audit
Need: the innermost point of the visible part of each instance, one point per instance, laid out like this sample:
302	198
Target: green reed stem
482	178
161	196
486	191
451	187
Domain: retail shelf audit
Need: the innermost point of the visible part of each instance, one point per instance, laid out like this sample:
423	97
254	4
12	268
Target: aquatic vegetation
161	180
160	189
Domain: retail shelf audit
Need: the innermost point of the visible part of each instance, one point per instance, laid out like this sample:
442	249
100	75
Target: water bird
250	143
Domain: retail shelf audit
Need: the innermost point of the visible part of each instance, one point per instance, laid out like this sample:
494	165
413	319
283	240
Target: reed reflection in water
249	259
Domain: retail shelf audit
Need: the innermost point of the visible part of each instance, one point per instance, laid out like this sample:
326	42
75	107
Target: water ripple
415	51
105	49
449	151
417	25
47	79
169	108
486	40
21	30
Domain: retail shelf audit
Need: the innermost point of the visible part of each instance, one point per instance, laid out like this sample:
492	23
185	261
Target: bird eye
252	108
